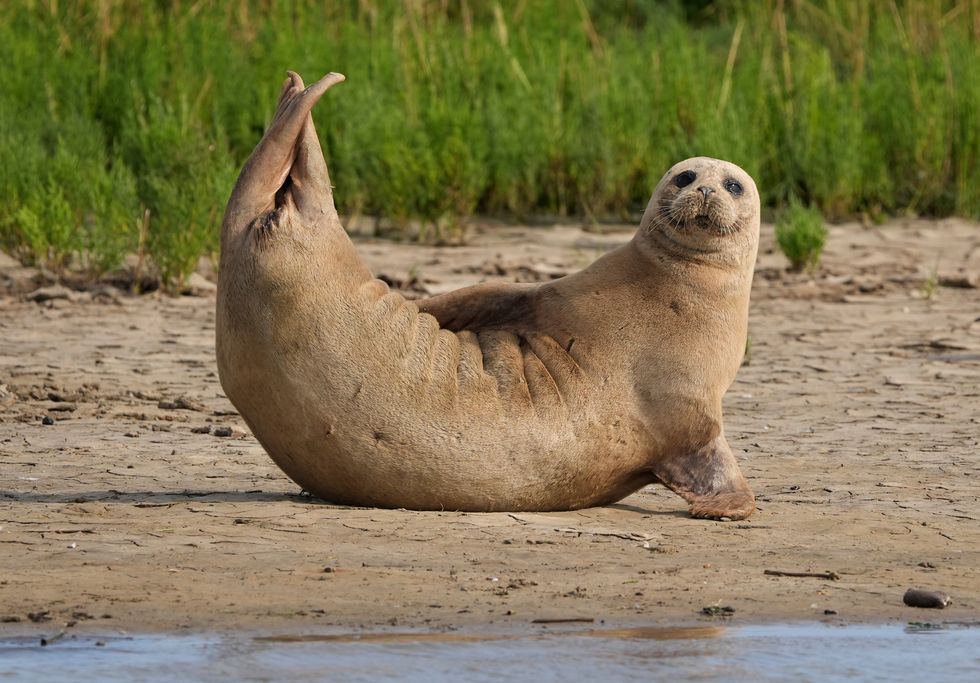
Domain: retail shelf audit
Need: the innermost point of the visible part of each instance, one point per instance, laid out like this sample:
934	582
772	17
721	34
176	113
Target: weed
801	235
930	284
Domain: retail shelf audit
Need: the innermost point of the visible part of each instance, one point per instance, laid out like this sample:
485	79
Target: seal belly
397	412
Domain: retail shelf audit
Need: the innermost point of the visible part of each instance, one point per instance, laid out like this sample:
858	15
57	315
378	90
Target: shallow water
561	655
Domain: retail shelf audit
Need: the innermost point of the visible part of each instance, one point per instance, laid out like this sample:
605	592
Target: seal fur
556	396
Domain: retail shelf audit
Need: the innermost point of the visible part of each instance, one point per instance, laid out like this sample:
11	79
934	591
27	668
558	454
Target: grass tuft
801	235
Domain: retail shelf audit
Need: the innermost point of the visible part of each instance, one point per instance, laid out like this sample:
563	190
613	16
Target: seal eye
734	187
684	179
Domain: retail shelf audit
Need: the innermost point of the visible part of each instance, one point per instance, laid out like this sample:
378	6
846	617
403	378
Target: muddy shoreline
145	505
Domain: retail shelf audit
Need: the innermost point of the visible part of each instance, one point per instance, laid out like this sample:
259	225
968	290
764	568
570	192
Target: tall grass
123	123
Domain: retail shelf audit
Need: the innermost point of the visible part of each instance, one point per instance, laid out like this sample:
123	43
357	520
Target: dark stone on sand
920	597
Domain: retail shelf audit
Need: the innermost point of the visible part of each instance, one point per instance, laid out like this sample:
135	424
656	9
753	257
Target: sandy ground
857	418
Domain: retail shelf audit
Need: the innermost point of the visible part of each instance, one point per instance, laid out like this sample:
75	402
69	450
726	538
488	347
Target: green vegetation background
124	122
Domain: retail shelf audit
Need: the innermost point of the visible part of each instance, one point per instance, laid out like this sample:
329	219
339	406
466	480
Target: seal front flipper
487	306
709	479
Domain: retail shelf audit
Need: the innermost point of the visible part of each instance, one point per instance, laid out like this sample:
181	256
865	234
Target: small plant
930	285
801	235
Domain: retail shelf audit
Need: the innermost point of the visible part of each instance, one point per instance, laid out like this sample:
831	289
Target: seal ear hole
684	179
734	187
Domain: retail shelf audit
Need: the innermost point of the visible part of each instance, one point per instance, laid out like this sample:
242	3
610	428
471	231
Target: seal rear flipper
710	480
287	168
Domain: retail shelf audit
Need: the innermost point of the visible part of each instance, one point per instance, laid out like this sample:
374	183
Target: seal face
705	205
685	208
567	394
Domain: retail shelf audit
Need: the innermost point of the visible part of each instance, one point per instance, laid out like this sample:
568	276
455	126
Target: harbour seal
556	396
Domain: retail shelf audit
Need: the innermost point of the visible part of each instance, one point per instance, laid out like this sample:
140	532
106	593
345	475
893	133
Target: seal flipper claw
709	480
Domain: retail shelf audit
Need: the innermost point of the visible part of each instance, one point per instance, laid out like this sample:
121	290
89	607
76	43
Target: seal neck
729	253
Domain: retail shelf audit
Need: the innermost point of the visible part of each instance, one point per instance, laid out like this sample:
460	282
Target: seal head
705	209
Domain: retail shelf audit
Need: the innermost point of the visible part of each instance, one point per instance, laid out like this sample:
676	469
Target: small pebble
47	420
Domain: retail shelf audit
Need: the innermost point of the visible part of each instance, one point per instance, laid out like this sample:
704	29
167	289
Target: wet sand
856	421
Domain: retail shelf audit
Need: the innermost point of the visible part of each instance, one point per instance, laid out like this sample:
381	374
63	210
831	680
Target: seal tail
288	163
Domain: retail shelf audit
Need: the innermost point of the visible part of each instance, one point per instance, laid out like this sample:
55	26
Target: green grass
801	235
123	123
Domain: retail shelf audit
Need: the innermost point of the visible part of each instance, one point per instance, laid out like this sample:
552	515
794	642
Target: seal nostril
705	190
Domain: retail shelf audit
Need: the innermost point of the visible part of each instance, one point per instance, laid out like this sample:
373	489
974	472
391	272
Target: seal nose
705	190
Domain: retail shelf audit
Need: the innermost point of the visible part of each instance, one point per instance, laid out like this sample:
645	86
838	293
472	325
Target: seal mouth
707	223
705	220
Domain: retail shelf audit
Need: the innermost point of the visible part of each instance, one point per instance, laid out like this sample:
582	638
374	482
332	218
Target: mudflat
145	505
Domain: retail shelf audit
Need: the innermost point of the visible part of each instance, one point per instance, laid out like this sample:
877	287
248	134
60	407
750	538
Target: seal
556	396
